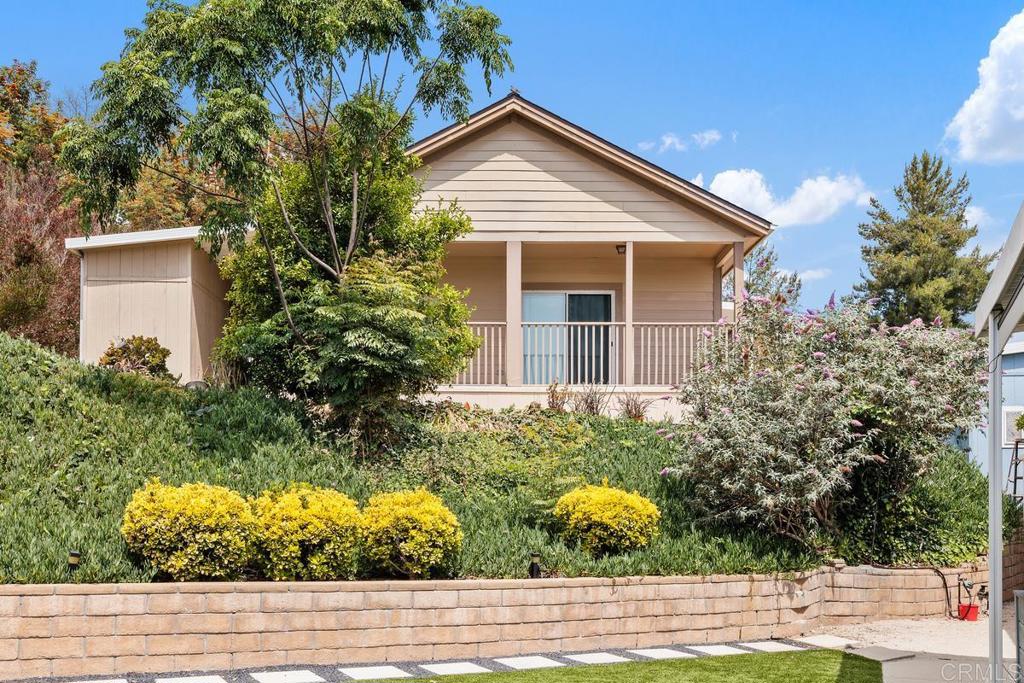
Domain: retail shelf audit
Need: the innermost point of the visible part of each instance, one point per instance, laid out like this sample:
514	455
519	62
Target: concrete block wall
107	629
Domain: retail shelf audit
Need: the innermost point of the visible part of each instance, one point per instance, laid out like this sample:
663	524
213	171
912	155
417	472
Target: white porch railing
572	353
488	365
589	352
665	352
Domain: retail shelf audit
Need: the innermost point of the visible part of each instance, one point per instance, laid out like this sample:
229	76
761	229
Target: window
1010	431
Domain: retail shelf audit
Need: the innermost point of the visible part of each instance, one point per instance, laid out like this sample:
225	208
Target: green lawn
818	666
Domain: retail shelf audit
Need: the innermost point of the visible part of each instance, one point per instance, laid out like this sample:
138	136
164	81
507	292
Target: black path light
534	572
74	559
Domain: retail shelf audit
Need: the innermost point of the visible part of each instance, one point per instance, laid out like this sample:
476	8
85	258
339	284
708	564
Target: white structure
1000	313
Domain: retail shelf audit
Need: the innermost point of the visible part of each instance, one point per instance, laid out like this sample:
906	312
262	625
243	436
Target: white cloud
706	138
735	135
698	180
671	141
815	200
646	145
808	275
812	274
976	215
990	125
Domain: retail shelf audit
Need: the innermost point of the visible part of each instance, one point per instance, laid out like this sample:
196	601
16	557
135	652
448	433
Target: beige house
587	264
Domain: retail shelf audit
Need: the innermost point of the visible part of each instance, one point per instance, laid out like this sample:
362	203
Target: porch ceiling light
621	248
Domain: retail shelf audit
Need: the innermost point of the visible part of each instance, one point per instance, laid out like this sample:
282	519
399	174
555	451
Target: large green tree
299	110
916	258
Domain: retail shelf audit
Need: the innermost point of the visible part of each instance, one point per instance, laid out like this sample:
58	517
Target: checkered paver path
371	672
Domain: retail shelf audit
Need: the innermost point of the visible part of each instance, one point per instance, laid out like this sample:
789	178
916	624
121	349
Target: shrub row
198	531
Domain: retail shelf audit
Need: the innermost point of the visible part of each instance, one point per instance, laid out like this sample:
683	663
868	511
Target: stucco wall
78	630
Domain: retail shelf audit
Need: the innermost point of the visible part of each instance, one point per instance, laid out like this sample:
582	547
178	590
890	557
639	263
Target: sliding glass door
559	345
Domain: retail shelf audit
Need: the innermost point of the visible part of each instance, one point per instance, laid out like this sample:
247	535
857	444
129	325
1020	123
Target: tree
38	278
915	257
27	124
319	69
289	107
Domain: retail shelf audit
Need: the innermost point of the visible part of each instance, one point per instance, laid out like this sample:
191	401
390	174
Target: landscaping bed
79	441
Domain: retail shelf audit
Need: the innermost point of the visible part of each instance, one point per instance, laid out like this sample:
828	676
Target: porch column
627	308
737	276
514	314
716	293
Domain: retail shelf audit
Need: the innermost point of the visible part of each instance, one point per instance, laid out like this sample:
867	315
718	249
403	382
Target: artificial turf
817	666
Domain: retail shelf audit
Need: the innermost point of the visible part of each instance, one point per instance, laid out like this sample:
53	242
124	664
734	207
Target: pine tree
916	260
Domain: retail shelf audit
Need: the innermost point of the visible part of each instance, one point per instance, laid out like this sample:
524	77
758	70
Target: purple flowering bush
786	414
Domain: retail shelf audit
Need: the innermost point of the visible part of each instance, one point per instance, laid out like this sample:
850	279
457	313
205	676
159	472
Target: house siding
515	179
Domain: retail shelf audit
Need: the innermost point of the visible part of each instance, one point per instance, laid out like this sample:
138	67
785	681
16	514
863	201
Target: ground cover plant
77	441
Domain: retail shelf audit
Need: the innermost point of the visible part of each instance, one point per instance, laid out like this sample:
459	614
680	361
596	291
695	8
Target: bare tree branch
277	281
295	237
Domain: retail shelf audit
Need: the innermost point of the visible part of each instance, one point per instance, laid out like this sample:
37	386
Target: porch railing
590	352
664	353
572	352
488	365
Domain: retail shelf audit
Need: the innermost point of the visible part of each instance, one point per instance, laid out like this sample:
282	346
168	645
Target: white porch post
995	500
628	342
737	275
514	314
716	293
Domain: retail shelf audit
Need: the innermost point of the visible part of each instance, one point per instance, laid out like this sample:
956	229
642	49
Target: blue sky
831	99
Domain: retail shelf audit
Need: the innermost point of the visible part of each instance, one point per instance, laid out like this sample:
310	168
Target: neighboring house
976	442
587	264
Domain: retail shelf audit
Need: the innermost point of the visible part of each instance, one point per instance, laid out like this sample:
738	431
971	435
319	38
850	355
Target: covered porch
631	315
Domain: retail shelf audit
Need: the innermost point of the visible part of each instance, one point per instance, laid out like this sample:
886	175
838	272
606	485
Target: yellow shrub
189	532
307	533
409	533
604	519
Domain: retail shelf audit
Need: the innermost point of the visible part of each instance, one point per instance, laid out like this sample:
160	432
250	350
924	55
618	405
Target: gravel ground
937	635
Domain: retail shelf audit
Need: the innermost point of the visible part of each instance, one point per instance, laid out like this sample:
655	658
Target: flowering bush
307	533
787	414
409	533
604	519
189	532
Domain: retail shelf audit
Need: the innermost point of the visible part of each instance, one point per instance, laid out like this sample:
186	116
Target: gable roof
516	105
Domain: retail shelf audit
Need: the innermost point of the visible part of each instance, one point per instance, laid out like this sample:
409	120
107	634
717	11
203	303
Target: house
587	264
975	442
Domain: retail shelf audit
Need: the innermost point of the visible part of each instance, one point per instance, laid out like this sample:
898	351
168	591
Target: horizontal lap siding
484	277
138	291
518	179
669	290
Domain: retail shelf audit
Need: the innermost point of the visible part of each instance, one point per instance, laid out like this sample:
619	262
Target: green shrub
138	354
941	521
189	532
409	533
604	519
306	533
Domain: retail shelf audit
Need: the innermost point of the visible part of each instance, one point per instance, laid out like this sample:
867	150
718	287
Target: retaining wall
82	629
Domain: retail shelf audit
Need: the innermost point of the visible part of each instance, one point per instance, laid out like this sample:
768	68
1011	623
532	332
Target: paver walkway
368	672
